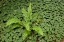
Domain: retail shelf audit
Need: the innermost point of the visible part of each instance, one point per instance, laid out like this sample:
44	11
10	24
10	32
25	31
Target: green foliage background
50	11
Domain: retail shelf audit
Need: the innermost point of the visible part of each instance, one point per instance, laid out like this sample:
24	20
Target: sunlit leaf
27	26
15	25
12	20
24	12
38	30
35	15
30	11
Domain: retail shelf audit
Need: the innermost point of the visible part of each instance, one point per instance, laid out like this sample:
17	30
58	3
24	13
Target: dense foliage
50	15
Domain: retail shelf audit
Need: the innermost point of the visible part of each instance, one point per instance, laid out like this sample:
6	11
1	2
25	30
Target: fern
27	15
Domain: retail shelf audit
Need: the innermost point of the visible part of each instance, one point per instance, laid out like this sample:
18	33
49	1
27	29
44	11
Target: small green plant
27	17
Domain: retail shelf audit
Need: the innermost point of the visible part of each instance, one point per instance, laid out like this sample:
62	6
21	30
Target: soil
62	40
37	40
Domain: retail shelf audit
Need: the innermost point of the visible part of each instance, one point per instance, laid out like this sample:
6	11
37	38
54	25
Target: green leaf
30	11
35	15
15	25
25	34
27	26
27	15
30	8
38	30
24	12
12	20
